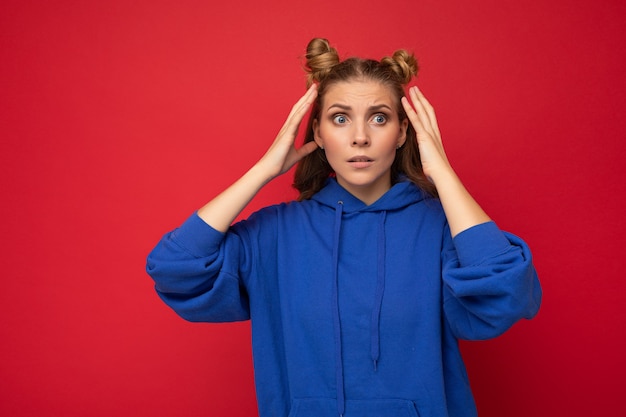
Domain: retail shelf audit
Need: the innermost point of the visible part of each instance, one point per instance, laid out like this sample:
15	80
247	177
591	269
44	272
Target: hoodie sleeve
489	282
196	270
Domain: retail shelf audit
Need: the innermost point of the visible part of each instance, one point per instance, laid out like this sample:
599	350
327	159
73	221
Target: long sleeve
489	282
197	272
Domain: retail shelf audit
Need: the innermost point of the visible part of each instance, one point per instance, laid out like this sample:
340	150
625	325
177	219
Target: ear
316	134
404	125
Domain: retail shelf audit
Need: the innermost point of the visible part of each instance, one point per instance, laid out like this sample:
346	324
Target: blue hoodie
356	310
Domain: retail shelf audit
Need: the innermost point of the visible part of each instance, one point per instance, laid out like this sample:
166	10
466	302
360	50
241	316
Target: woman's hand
462	211
282	154
422	116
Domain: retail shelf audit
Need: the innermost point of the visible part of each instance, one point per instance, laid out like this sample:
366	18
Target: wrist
262	172
443	176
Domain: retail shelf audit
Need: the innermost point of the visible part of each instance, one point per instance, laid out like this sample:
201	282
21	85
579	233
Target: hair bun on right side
402	63
320	58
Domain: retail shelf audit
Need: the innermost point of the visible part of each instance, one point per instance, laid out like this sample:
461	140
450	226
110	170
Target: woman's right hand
282	154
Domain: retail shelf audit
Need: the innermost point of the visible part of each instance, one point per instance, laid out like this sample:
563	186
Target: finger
420	110
429	110
306	149
290	127
303	104
425	108
413	116
289	131
421	123
297	154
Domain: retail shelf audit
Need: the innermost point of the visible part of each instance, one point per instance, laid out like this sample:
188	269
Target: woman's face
359	129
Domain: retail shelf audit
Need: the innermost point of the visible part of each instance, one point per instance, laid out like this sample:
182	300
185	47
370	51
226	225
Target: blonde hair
324	67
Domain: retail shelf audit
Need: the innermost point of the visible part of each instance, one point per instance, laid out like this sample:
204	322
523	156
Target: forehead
359	93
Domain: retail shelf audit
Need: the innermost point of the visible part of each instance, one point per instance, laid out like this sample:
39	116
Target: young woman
359	291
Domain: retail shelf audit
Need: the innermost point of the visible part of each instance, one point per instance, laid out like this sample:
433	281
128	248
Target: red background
119	118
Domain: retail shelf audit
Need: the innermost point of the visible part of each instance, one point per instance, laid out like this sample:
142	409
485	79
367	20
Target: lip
360	161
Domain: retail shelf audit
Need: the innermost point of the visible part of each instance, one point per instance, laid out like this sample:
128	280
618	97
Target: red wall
119	118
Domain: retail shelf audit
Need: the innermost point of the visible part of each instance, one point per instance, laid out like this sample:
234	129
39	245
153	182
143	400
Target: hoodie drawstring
380	288
378	300
341	400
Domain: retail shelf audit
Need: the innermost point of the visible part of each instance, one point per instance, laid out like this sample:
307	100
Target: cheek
331	137
390	141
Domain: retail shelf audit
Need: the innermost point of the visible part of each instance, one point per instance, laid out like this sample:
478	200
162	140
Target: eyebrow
371	108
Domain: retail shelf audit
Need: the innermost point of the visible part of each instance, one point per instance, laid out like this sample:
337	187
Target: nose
361	137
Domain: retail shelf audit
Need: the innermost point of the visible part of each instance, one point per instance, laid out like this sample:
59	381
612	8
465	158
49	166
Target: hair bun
320	58
402	63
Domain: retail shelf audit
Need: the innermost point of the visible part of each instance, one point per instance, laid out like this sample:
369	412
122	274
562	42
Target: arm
279	158
489	279
196	271
489	282
462	211
197	268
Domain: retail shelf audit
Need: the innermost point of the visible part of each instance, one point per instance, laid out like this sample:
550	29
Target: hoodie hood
399	196
345	204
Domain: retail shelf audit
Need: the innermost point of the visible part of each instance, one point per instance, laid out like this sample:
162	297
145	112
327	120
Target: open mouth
360	159
360	162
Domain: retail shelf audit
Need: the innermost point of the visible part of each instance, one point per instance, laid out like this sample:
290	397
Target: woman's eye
380	119
340	119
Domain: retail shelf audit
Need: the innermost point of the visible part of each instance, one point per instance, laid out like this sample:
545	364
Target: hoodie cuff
479	243
197	237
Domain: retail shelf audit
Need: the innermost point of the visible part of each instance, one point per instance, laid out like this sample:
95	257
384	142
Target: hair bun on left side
320	58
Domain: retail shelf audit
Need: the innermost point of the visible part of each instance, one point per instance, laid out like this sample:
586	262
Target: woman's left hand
422	116
462	211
